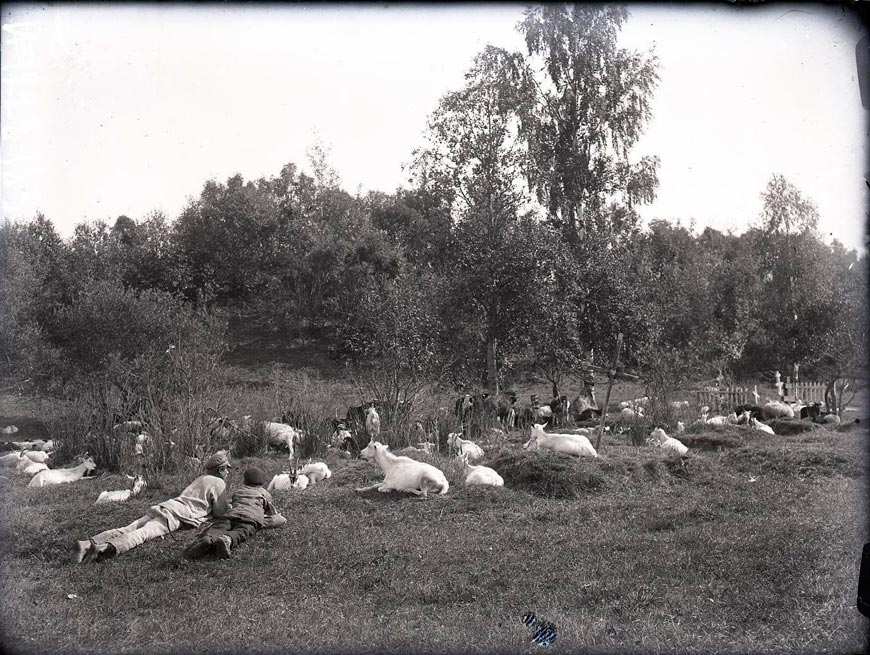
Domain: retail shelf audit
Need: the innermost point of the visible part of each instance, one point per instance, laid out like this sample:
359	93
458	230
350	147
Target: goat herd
402	472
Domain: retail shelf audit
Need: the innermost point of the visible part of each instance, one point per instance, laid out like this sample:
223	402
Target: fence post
611	375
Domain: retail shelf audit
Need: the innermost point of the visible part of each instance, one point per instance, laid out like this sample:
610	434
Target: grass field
750	546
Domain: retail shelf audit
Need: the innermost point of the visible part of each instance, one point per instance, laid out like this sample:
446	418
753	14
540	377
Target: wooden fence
727	398
808	392
724	398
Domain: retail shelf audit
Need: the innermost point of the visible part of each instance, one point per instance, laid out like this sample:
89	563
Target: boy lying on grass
203	499
252	510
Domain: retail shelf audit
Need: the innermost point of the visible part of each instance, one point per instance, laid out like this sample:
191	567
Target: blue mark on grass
545	632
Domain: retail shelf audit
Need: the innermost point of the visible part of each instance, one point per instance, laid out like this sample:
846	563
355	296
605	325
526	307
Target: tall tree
475	160
584	103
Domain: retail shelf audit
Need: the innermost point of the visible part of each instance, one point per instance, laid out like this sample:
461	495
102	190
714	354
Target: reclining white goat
403	473
660	439
62	476
123	494
481	474
571	444
464	446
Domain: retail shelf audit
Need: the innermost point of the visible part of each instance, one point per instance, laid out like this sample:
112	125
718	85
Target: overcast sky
111	110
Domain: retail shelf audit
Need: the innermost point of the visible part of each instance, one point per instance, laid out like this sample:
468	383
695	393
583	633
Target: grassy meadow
751	545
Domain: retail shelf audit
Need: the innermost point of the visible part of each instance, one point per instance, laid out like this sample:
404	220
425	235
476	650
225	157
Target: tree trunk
491	373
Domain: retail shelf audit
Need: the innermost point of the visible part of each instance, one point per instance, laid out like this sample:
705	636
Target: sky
125	109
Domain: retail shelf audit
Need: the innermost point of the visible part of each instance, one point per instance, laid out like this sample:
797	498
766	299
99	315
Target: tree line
517	246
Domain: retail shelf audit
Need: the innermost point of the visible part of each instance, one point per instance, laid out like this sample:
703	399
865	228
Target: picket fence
727	398
724	398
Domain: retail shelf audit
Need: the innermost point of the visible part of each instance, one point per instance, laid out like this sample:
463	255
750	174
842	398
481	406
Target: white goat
124	494
629	413
301	482
464	446
62	476
758	425
281	482
660	439
831	419
719	421
776	409
37	456
281	434
680	404
26	445
48	446
403	473
141	441
572	444
481	474
681	427
316	471
373	423
28	467
586	432
11	459
9	429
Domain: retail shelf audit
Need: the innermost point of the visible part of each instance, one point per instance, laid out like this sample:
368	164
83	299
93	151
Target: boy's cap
217	460
255	476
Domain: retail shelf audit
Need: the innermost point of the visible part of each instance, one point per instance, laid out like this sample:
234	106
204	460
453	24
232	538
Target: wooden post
611	374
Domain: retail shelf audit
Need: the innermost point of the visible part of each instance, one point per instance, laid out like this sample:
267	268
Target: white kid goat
464	446
660	439
481	474
301	481
571	444
758	425
281	482
30	468
403	473
316	471
123	494
373	423
62	476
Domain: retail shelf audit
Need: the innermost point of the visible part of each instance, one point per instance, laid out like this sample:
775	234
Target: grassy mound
548	474
790	426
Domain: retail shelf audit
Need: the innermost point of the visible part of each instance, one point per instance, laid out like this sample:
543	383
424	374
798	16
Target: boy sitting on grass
252	510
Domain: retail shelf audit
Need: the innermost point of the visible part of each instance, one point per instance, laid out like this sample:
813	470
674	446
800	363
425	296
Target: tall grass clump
137	356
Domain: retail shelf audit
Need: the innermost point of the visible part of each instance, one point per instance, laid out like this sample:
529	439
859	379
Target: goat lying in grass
11	459
124	494
660	439
62	476
464	446
777	409
29	467
403	473
37	456
758	425
571	444
481	474
719	421
281	482
315	472
289	480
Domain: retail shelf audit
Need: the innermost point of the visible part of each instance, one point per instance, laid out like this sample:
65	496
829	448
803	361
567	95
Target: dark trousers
236	529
